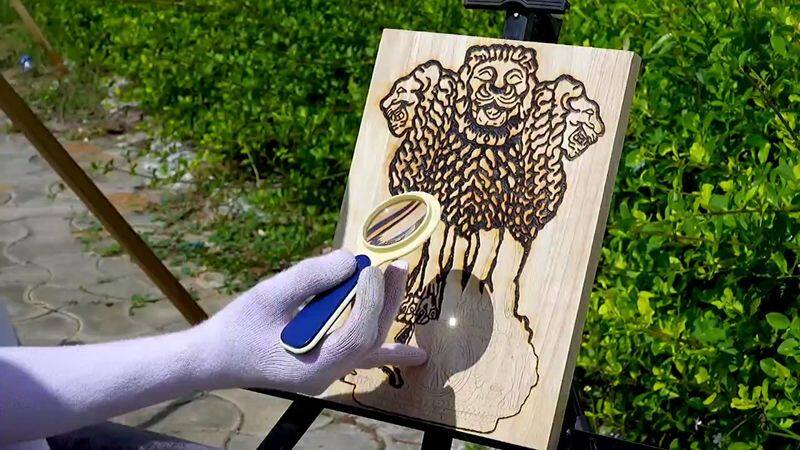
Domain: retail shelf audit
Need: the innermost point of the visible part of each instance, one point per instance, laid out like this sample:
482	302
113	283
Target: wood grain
520	143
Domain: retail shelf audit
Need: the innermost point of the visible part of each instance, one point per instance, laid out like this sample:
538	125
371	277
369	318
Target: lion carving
418	109
489	141
479	173
564	124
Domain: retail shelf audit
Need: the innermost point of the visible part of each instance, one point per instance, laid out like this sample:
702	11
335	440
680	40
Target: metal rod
516	26
77	180
292	425
436	440
543	28
581	440
402	421
534	26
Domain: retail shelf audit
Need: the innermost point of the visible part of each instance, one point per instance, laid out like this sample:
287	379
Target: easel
525	20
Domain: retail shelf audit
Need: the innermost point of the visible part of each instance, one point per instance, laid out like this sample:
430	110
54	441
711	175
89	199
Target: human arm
49	390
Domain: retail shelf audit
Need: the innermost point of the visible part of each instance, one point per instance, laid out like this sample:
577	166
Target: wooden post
72	174
39	37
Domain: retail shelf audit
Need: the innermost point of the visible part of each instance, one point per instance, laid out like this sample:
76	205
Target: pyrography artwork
492	140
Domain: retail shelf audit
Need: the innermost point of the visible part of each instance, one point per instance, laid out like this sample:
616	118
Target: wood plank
520	143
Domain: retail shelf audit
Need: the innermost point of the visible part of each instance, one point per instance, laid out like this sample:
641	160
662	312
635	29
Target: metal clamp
527	20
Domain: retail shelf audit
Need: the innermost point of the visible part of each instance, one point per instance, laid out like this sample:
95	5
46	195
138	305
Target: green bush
270	92
693	333
274	88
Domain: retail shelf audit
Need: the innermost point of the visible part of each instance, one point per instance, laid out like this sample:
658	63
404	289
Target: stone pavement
59	294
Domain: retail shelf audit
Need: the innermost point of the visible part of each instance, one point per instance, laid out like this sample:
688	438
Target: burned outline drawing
488	141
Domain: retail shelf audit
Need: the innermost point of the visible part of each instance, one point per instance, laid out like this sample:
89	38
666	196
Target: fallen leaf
87	152
129	201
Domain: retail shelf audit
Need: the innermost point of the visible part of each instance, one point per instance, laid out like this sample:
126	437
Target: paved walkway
59	294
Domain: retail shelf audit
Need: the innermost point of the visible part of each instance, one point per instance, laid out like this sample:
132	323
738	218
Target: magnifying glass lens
396	222
397	227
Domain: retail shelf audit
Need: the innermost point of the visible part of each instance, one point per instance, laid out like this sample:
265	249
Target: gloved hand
50	390
242	341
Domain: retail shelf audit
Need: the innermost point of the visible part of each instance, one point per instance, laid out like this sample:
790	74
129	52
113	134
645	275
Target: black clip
527	20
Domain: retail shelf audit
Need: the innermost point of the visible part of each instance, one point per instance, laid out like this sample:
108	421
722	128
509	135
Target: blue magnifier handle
311	324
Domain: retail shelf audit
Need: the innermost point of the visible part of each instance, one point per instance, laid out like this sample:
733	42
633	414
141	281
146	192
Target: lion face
583	126
399	105
497	90
494	94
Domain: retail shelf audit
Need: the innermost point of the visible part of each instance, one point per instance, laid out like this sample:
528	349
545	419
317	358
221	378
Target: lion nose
599	127
385	104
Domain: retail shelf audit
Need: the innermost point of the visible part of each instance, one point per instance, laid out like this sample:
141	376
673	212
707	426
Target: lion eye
401	90
513	77
486	74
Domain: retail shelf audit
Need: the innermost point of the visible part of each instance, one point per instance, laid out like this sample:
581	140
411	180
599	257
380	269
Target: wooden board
520	143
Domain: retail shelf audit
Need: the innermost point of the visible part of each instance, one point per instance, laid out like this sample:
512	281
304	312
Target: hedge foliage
693	334
270	90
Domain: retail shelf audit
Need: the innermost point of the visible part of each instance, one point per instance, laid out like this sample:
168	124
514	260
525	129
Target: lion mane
544	138
481	168
525	58
545	182
410	167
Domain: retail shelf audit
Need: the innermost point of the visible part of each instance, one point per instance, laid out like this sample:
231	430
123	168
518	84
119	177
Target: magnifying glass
394	229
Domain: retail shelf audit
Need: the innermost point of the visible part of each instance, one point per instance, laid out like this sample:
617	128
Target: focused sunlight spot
452	322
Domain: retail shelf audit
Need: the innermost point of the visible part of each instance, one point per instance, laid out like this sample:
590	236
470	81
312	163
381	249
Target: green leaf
789	347
763	153
739	446
779	44
769	367
794	328
697	153
777	320
718	203
659	42
701	376
643	305
705	194
780	261
708	330
773	368
783	371
743	404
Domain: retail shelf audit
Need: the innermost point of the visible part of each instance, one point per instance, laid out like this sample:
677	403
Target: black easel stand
526	20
